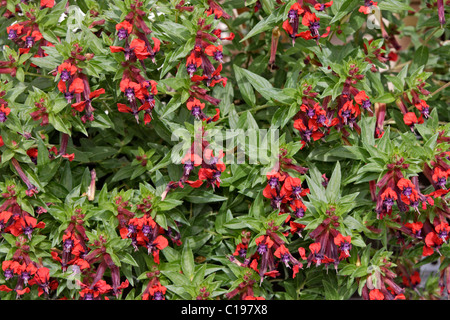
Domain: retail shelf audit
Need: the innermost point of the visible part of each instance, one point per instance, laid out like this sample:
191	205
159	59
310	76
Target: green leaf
245	87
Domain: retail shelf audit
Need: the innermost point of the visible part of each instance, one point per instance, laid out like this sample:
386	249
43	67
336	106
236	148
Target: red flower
363	100
14	31
195	106
440	176
4	112
443	230
42	279
406	186
388	197
423	107
47	3
308	132
69	157
415	227
343	243
156	292
298	207
80	106
67	70
215	52
311	21
432	242
4	218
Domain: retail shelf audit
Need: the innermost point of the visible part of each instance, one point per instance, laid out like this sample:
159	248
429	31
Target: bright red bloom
410	119
322	6
47	3
293	188
298	207
406	186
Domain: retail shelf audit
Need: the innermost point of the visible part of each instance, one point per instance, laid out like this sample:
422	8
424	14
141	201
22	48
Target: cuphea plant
206	149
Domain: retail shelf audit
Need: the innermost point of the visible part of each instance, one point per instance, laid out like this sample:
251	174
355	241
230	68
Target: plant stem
441	88
38	75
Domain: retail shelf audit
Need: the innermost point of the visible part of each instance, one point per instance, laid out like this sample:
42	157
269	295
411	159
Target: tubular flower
424	108
291	24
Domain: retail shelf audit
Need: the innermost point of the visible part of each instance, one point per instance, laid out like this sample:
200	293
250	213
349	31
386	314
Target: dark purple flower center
345	113
25	276
321	119
69	96
131	229
443	235
345	246
242	253
310	113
